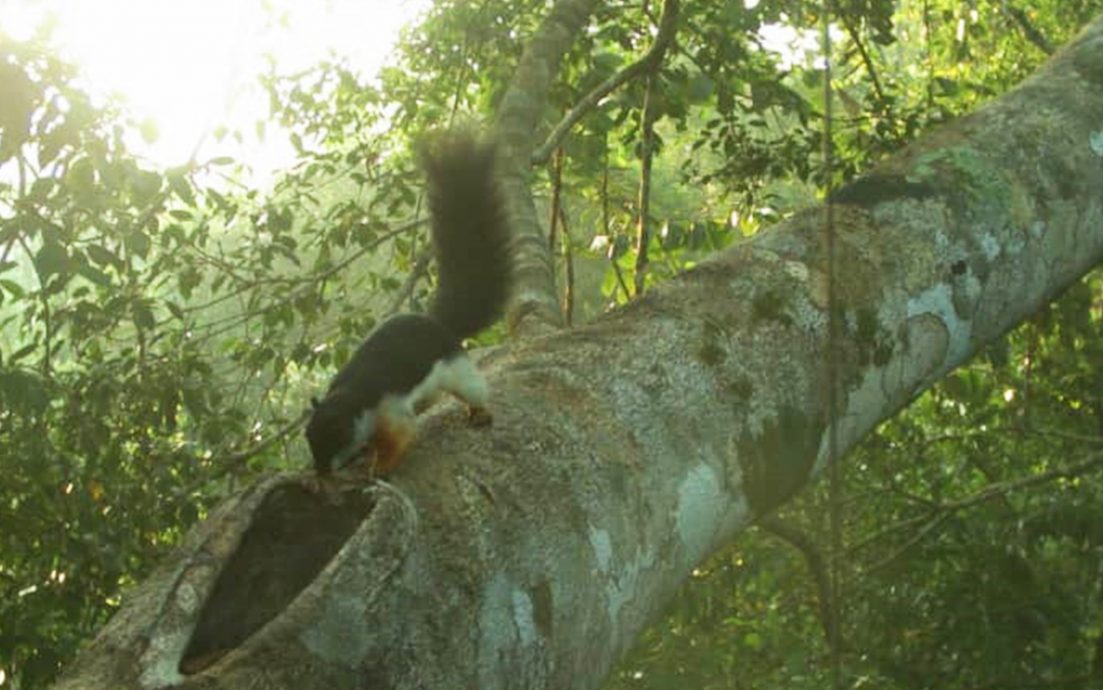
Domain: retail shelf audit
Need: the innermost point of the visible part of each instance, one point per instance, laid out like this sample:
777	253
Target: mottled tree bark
531	554
535	306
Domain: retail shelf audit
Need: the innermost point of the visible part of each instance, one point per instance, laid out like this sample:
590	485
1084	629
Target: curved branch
668	23
535	305
817	567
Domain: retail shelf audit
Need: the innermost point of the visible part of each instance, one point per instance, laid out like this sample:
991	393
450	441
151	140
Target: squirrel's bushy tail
470	233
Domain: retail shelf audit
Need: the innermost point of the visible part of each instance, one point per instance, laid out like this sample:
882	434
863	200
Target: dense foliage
160	330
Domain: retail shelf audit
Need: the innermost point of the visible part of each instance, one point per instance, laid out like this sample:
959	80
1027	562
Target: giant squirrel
370	408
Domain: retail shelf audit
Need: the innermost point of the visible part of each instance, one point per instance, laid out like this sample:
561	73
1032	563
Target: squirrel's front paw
479	416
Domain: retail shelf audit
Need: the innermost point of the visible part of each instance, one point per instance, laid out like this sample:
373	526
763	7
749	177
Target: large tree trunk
530	555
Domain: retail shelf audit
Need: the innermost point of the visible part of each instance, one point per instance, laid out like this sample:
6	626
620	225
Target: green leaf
148	130
16	108
142	315
49	146
21	353
182	187
41	188
15	289
699	88
137	242
145	185
101	256
81	177
51	259
95	275
187	280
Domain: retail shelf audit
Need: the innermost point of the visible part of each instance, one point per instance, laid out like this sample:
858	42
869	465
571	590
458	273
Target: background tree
163	327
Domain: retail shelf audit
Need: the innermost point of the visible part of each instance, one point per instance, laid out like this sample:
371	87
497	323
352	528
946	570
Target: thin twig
421	265
647	158
937	516
568	267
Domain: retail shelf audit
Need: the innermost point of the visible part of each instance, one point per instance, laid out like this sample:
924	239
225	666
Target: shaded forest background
161	329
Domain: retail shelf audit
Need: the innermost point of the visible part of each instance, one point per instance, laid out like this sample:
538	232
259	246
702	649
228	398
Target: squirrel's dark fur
371	404
471	239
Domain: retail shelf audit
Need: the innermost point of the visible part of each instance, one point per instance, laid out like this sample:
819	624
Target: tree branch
647	157
668	24
1029	30
942	512
535	305
817	568
871	70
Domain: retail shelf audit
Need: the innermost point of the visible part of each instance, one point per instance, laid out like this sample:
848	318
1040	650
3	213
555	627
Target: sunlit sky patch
191	66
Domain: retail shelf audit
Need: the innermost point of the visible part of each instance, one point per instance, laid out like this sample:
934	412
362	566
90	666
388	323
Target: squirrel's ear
314	402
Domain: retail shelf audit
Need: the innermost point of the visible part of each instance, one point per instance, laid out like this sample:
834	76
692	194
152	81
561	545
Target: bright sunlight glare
189	66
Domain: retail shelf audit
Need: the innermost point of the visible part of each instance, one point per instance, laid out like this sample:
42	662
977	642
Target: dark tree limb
568	268
1029	30
817	568
871	69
